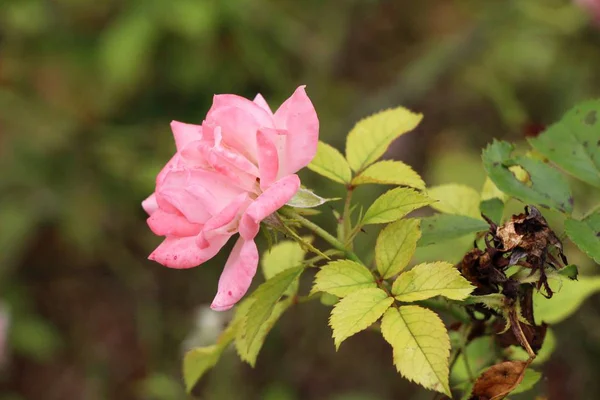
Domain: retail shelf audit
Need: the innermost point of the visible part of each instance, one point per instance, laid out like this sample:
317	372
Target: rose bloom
227	175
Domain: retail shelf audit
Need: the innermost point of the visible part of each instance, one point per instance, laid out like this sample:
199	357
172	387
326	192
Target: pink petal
268	160
239	119
166	224
224	223
197	192
150	205
298	116
174	164
262	103
237	275
233	157
263	117
183	253
185	133
267	203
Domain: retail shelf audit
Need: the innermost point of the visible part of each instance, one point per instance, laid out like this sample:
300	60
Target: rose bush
227	175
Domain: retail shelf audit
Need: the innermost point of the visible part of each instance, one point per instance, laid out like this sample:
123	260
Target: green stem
346	218
321	232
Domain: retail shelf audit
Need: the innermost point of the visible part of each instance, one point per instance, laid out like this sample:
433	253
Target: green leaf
421	346
530	378
283	255
396	245
456	199
343	277
329	299
442	227
493	209
197	362
249	351
479	358
265	298
586	234
517	352
371	136
306	198
393	205
568	296
573	143
390	173
356	312
543	184
429	280
330	163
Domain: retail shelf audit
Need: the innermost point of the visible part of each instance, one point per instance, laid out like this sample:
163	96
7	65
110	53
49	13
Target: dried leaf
499	380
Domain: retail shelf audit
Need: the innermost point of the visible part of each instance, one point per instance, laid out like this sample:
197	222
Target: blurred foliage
87	90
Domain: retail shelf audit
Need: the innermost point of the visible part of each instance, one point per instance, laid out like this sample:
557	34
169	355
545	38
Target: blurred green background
87	91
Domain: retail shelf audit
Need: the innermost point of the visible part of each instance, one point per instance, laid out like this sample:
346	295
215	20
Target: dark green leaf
586	234
493	209
543	184
573	143
441	227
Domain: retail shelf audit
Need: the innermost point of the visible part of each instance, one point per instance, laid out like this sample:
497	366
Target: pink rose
227	175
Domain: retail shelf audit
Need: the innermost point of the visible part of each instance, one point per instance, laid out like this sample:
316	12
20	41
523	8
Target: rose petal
150	205
297	115
185	133
183	253
166	224
267	203
268	160
197	192
239	119
224	223
237	275
260	100
262	117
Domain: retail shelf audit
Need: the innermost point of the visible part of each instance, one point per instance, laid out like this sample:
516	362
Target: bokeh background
87	91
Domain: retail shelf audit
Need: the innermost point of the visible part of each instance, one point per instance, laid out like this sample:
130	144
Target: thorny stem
519	334
321	232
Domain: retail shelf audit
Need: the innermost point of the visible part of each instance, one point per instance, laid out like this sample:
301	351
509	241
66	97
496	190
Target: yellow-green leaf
394	204
264	299
390	173
568	296
396	245
330	163
371	136
455	199
429	280
356	312
343	277
421	346
197	361
491	191
284	255
249	351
